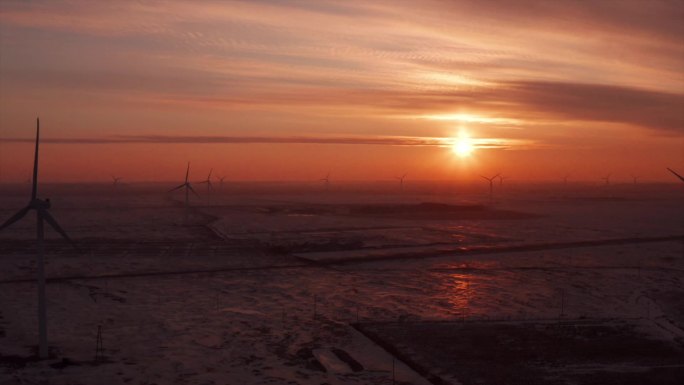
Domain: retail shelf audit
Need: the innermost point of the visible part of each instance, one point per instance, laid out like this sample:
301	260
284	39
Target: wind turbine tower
210	187
501	179
188	189
42	215
607	179
221	179
401	181
326	180
491	185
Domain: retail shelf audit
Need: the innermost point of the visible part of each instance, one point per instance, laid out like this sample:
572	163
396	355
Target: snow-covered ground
233	298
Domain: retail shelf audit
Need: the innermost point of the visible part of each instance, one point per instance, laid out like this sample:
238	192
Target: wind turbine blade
34	190
484	177
16	217
193	190
50	220
187	173
496	176
176	188
677	175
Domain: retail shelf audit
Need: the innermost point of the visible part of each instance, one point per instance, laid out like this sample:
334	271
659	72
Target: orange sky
278	90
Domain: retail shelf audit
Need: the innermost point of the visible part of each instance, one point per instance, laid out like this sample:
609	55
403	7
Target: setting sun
463	146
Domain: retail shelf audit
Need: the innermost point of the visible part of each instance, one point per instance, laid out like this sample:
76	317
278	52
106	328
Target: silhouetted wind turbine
491	184
42	214
607	179
401	181
221	179
675	174
634	179
116	180
501	179
565	179
326	180
188	188
208	181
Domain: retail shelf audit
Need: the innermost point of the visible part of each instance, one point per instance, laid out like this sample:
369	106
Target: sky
292	90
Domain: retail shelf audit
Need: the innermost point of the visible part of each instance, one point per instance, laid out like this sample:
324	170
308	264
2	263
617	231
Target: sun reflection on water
460	293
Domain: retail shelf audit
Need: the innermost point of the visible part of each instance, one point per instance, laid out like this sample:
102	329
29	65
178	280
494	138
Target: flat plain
367	284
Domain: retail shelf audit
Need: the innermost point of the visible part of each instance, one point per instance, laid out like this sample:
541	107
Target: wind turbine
326	180
634	179
42	215
116	180
221	179
207	181
565	179
401	181
675	174
188	188
501	179
607	179
491	184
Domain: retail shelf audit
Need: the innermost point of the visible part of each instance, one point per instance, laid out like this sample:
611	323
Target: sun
463	146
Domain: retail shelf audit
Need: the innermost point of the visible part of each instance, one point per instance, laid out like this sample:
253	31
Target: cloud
601	103
524	102
490	143
607	61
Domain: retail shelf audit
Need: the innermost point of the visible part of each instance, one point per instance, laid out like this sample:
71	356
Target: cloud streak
491	143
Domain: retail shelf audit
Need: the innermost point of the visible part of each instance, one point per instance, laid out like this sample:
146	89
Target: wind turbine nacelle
40	204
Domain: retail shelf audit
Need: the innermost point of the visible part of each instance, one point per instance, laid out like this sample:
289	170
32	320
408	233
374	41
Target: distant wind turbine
207	181
491	184
501	179
326	180
221	179
188	189
42	214
116	180
565	179
401	181
675	174
607	179
634	179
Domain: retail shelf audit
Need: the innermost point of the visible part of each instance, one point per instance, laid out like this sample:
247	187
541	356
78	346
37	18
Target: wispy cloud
490	143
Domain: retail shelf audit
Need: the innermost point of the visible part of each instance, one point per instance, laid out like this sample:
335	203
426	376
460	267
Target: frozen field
264	283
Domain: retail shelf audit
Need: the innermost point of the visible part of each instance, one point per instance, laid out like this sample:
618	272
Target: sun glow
471	118
463	146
